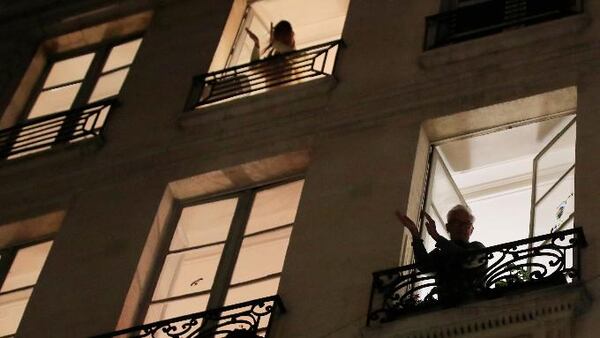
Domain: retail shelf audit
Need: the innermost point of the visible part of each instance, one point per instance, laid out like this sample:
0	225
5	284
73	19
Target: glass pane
109	85
442	197
12	306
26	266
204	224
444	194
555	162
274	207
428	242
54	100
69	70
122	55
556	207
176	308
188	271
261	255
252	291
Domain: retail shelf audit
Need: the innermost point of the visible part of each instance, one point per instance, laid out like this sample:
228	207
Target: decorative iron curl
246	316
518	265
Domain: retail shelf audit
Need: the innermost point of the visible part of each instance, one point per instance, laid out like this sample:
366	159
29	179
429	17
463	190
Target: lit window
226	251
71	80
311	26
247	61
492	174
20	268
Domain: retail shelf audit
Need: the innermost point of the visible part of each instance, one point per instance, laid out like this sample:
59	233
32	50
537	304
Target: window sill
462	51
249	105
56	154
517	313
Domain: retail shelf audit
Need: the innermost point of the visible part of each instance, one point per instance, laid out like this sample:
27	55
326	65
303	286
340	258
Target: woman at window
279	70
281	40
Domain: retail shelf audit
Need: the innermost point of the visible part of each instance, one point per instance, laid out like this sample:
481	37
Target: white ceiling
501	160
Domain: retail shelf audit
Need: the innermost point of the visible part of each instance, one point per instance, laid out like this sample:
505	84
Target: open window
317	27
314	22
518	181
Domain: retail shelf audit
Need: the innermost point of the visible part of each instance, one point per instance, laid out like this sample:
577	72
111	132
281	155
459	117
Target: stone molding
542	313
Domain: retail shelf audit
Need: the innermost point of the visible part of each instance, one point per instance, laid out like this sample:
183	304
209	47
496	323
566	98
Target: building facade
156	114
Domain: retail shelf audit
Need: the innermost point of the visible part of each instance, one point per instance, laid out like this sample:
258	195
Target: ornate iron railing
525	264
230	321
263	74
45	132
492	16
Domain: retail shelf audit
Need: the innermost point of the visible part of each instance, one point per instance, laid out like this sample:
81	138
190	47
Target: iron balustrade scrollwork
260	75
44	132
531	263
492	16
236	320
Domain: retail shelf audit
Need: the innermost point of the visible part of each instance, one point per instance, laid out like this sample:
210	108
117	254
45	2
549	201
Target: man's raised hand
430	225
408	223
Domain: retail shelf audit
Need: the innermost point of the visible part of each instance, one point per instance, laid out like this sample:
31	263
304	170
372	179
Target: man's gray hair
460	207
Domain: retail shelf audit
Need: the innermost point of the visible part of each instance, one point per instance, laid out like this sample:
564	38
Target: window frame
5	266
101	49
232	244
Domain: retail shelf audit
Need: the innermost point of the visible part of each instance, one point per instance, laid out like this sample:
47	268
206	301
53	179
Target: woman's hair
284	33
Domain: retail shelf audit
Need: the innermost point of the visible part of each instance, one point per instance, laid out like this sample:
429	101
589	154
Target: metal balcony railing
492	16
45	132
243	320
521	265
260	75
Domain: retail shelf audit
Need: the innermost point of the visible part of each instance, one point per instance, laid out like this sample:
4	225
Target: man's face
459	225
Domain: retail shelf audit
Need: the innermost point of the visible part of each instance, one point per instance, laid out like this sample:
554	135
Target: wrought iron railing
237	320
525	264
260	75
492	16
45	132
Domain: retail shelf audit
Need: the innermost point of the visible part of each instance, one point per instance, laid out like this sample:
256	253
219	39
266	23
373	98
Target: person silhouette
458	276
281	40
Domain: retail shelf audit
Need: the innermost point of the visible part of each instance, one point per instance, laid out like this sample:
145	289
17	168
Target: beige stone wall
362	132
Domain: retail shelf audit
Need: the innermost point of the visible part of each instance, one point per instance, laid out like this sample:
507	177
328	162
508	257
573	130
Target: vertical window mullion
231	250
85	91
91	77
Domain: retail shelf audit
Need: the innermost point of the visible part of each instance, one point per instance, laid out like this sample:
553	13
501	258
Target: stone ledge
521	313
57	154
259	103
495	43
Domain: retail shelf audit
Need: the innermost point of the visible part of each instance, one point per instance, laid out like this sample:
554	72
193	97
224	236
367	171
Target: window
82	77
519	182
72	80
238	69
225	251
20	268
311	26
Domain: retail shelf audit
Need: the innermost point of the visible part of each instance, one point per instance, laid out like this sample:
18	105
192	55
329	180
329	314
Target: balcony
262	75
492	16
243	320
520	266
58	129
